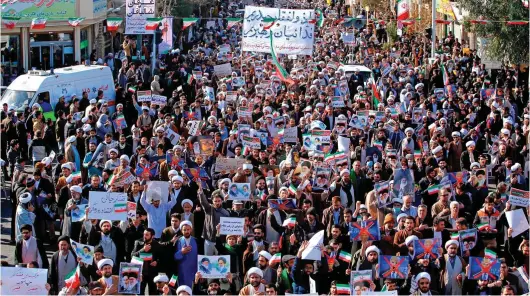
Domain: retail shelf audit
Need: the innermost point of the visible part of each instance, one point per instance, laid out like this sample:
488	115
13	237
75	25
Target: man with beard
108	281
255	286
367	259
401	236
423	280
186	254
469	156
251	255
453	269
150	267
455	150
344	189
269	274
111	240
30	249
62	263
408	144
179	192
213	215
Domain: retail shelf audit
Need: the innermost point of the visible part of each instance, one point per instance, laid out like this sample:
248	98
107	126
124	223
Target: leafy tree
505	41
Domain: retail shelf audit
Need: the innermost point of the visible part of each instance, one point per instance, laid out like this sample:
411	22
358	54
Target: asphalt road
7	251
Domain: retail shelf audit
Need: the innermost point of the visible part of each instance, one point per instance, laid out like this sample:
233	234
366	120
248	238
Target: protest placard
121	179
233	226
337	102
313	250
194	127
213	267
172	136
484	268
239	191
251	142
78	214
467	239
159	100
143	96
209	92
129	276
119	123
282	204
85	252
157	189
361	278
24	281
427	248
131	209
517	221
290	135
393	267
381	192
107	205
228	165
519	197
223	70
365	230
321	180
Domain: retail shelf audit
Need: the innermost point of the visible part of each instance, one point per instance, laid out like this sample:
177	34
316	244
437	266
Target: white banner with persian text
293	30
136	15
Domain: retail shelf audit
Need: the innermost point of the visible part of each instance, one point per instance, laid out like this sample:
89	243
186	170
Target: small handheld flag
173	280
346	257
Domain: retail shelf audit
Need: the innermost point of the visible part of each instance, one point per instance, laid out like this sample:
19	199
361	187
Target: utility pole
433	29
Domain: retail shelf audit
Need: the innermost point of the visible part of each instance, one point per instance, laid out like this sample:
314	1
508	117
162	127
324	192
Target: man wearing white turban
255	287
423	281
453	269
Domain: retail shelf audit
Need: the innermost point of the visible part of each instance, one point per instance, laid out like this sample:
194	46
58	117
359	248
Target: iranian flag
73	280
113	23
152	23
75	21
189	79
131	88
232	22
292	189
483	226
455	236
173	280
403	12
268	22
320	17
186	22
433	189
343	289
280	71
10	22
38	23
445	76
376	97
146	256
276	258
137	260
490	254
120	207
111	179
76	175
417	153
445	22
346	257
516	23
289	222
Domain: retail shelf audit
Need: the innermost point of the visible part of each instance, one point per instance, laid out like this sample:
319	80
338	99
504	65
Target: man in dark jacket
22	133
147	245
58	271
111	239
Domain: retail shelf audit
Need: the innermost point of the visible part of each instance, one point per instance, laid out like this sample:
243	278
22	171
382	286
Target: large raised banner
136	15
23	281
107	205
293	30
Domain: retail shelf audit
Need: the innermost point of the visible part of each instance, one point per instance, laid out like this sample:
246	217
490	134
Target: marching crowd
421	149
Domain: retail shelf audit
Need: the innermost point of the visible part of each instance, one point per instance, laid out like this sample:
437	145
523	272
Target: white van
27	88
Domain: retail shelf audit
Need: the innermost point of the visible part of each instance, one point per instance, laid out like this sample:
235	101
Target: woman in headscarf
24	214
70	228
71	153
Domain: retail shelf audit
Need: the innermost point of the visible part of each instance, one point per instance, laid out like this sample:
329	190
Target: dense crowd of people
424	150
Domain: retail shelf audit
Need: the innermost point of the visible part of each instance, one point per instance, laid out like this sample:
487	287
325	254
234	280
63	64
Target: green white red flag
73	279
403	11
186	22
10	22
38	23
152	23
75	21
113	23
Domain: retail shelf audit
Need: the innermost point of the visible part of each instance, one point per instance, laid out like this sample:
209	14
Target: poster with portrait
393	267
269	170
78	214
206	145
365	230
467	239
427	248
321	181
403	182
85	252
213	267
239	191
129	277
382	193
360	280
484	268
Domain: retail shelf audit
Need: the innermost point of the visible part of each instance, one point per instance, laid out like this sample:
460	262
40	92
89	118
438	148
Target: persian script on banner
293	30
136	15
